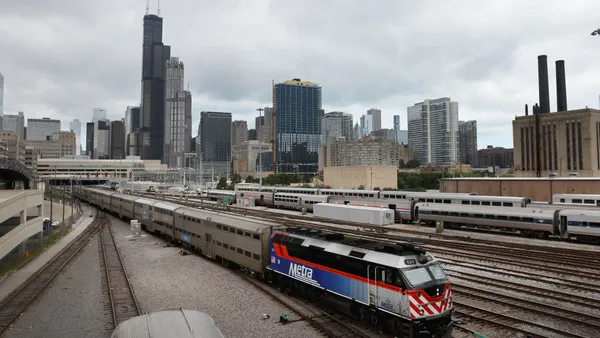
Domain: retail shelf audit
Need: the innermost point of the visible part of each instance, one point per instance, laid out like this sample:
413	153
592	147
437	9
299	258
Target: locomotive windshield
425	274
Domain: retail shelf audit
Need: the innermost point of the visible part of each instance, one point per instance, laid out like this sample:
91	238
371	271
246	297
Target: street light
260	110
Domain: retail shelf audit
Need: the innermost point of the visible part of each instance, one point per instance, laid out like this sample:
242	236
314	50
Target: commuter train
397	287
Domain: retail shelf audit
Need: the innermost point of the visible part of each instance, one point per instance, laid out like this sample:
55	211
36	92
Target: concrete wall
14	203
537	189
369	176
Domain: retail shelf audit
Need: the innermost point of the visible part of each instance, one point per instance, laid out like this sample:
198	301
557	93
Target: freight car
398	288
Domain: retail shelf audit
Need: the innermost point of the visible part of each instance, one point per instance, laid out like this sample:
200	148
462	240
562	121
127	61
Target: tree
236	178
250	179
413	164
222	185
401	164
361	187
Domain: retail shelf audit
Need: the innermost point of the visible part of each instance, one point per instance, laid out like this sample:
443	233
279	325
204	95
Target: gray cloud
62	58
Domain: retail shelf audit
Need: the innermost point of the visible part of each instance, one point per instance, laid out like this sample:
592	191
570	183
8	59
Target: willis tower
154	57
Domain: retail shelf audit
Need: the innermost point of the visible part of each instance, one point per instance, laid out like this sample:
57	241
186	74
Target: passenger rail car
396	286
584	225
220	194
261	198
295	201
402	208
590	200
532	222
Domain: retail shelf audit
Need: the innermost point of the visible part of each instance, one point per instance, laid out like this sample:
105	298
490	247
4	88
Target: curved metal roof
169	323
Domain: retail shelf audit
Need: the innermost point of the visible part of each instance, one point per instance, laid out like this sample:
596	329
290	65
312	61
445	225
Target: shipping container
366	215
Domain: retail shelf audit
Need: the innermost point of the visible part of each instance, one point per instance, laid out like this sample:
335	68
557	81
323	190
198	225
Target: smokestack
526	110
561	86
543	84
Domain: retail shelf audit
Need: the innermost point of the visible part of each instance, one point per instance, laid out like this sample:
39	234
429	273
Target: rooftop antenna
158	8
147	6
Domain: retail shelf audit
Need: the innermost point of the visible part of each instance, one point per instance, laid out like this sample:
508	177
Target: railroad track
330	325
123	303
16	302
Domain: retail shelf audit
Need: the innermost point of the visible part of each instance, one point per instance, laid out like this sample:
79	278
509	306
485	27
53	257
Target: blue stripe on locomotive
330	281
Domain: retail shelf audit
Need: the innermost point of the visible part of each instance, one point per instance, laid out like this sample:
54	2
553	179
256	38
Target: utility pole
260	110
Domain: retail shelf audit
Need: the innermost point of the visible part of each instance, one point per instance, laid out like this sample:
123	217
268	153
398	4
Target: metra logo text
300	271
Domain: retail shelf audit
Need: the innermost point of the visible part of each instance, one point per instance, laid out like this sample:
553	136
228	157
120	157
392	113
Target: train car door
372	280
564	231
208	245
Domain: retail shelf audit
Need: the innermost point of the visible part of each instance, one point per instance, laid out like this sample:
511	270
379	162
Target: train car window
447	202
485	203
528	219
255	256
219	226
225	228
240	251
589	202
435	212
578	201
247	234
444	213
502	217
232	230
232	248
219	243
454	213
475	203
240	232
594	224
478	215
225	246
490	216
466	202
381	277
430	200
438	201
256	236
507	204
248	253
562	200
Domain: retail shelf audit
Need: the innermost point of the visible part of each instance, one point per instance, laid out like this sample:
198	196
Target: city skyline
491	81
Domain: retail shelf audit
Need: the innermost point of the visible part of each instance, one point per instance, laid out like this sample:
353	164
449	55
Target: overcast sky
62	58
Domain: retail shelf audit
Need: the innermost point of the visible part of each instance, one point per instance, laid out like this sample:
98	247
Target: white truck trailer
357	214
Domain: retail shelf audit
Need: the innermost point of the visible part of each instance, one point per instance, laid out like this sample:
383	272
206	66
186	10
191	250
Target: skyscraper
117	143
375	118
99	114
366	125
214	133
335	125
75	127
467	142
397	127
239	132
154	57
42	129
297	126
15	123
433	131
89	139
178	115
133	122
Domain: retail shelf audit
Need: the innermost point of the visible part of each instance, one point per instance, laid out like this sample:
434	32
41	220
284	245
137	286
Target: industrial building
369	177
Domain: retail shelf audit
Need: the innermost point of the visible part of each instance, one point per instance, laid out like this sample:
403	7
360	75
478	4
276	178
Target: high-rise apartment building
117	143
297	126
335	125
366	125
75	127
154	58
376	118
42	129
356	133
467	142
397	126
239	132
178	115
15	123
214	149
433	131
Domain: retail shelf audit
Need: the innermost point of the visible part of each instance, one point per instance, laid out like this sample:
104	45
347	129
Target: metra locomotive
399	288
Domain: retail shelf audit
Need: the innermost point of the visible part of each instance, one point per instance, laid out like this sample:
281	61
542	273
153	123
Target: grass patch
18	264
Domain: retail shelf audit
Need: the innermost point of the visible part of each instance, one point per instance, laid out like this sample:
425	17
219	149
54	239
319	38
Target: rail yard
501	285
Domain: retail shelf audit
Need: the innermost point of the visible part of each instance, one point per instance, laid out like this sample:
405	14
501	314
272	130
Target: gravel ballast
72	305
161	278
